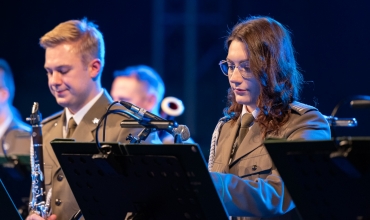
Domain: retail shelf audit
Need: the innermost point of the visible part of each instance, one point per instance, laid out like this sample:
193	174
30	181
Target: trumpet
172	107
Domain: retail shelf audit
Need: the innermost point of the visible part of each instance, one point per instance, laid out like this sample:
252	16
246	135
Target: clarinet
37	204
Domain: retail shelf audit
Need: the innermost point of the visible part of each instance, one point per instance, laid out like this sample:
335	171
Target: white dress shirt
80	114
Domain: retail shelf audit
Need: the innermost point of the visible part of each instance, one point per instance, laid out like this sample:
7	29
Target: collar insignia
95	121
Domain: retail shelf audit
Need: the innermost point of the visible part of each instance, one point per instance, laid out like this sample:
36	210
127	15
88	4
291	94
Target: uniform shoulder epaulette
52	117
301	108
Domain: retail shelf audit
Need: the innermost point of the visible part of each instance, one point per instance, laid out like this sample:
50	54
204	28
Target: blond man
74	61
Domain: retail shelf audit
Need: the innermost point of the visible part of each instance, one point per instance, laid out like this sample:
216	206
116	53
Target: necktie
71	127
246	121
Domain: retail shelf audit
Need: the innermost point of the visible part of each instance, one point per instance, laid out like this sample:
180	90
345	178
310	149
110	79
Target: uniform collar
254	113
82	112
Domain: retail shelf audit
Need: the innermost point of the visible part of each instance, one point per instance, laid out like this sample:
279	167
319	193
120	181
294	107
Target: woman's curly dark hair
271	58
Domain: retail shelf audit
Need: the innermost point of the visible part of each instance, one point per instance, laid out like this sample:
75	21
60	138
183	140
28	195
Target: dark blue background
331	38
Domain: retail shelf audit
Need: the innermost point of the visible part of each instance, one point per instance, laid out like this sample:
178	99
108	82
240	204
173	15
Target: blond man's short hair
89	40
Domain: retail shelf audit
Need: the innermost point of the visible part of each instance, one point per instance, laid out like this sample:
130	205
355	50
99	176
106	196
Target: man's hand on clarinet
37	217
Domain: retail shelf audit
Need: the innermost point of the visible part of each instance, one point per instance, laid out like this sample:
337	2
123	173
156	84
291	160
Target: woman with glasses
262	103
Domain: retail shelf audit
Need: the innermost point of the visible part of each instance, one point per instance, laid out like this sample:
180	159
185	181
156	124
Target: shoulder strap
301	108
52	117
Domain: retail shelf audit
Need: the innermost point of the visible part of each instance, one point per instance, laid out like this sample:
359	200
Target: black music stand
325	181
15	173
169	181
7	207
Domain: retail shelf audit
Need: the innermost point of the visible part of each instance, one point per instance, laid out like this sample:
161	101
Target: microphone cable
104	118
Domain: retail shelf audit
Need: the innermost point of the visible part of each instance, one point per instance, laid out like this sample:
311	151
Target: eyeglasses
228	69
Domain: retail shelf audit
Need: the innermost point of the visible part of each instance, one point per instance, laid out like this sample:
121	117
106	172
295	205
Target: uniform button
254	167
58	202
60	177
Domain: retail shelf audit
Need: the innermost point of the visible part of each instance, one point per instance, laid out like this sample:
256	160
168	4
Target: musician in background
74	61
142	86
262	103
15	141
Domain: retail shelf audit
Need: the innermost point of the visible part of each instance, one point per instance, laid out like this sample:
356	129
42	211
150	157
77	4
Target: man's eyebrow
63	66
124	99
59	67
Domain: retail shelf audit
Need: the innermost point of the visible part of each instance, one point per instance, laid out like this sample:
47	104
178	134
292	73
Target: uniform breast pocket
258	166
48	174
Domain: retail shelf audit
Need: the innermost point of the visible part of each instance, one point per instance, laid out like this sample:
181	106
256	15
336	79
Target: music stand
7	207
169	181
15	173
324	182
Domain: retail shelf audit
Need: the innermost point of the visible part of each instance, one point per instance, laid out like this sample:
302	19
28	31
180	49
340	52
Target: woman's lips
239	91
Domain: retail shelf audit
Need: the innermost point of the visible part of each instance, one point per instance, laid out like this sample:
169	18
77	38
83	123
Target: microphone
141	111
181	130
360	103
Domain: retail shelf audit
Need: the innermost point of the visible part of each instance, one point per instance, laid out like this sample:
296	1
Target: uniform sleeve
268	197
259	198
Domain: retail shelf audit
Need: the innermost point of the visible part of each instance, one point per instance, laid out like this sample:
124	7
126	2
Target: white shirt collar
4	126
254	113
82	112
